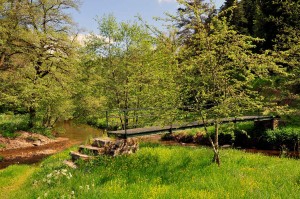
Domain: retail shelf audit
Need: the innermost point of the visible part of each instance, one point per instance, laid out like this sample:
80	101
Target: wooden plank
195	124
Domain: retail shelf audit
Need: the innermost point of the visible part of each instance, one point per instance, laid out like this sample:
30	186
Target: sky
123	10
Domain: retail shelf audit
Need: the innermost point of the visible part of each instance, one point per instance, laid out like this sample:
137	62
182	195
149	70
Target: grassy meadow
156	171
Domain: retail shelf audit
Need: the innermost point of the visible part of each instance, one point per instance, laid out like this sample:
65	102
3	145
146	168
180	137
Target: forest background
222	62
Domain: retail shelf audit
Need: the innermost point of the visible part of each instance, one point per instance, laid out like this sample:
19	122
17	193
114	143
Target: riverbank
30	148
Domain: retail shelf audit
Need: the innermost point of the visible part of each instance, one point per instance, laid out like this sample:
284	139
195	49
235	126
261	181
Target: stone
37	143
76	156
101	142
91	150
70	164
226	146
121	147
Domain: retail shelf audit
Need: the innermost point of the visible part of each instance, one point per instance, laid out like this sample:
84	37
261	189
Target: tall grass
166	172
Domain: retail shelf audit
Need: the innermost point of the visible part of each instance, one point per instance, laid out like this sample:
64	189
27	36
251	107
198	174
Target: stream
74	134
71	134
77	132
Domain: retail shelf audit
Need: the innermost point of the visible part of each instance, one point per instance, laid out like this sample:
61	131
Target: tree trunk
216	158
215	145
2	60
32	114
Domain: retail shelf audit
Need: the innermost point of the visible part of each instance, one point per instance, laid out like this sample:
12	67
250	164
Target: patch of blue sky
124	10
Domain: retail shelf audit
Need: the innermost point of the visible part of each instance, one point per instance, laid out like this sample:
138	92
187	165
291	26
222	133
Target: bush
288	137
242	139
10	123
43	131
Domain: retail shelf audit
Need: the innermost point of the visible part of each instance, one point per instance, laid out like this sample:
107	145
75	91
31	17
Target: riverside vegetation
204	59
224	63
156	171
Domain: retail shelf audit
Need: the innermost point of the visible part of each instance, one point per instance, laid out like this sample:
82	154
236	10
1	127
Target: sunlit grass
13	178
164	172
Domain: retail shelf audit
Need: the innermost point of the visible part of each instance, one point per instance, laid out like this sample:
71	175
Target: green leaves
133	68
38	65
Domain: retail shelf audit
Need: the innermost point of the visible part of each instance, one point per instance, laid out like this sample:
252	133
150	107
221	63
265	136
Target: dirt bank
30	148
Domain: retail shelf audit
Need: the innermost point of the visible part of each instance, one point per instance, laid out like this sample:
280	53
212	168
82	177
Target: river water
77	132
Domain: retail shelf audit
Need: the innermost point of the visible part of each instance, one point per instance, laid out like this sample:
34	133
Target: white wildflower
49	175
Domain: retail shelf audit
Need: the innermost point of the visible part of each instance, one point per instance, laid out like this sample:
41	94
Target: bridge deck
169	128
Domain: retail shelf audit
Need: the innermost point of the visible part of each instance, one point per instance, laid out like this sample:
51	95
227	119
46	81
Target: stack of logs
105	146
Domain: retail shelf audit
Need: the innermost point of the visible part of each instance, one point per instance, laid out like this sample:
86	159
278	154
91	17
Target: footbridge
129	130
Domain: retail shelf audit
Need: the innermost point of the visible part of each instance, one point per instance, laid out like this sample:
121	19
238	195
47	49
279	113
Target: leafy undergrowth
10	124
157	171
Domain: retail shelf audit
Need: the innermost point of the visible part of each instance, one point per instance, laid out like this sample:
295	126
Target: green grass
13	178
157	171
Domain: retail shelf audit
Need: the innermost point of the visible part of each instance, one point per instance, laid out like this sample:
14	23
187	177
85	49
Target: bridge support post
267	124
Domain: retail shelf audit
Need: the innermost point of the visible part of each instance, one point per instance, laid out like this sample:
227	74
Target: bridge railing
155	116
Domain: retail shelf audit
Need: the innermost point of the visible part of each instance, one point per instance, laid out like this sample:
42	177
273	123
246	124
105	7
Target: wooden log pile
105	146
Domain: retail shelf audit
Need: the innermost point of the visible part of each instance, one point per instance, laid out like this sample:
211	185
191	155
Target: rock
226	146
121	147
37	143
101	142
91	150
70	164
76	155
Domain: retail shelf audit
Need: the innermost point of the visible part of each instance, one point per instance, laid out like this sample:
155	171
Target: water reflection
77	132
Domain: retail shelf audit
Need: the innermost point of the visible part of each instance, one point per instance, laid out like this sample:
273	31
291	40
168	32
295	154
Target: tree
186	18
136	67
235	15
38	59
226	69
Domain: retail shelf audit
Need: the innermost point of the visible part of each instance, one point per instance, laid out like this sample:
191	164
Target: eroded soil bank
30	148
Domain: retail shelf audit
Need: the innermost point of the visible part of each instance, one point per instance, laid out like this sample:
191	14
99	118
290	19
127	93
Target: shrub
10	123
201	138
168	137
184	137
43	131
242	139
288	137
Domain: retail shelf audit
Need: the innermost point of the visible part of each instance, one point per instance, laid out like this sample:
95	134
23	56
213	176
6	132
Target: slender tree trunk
32	114
2	60
216	158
